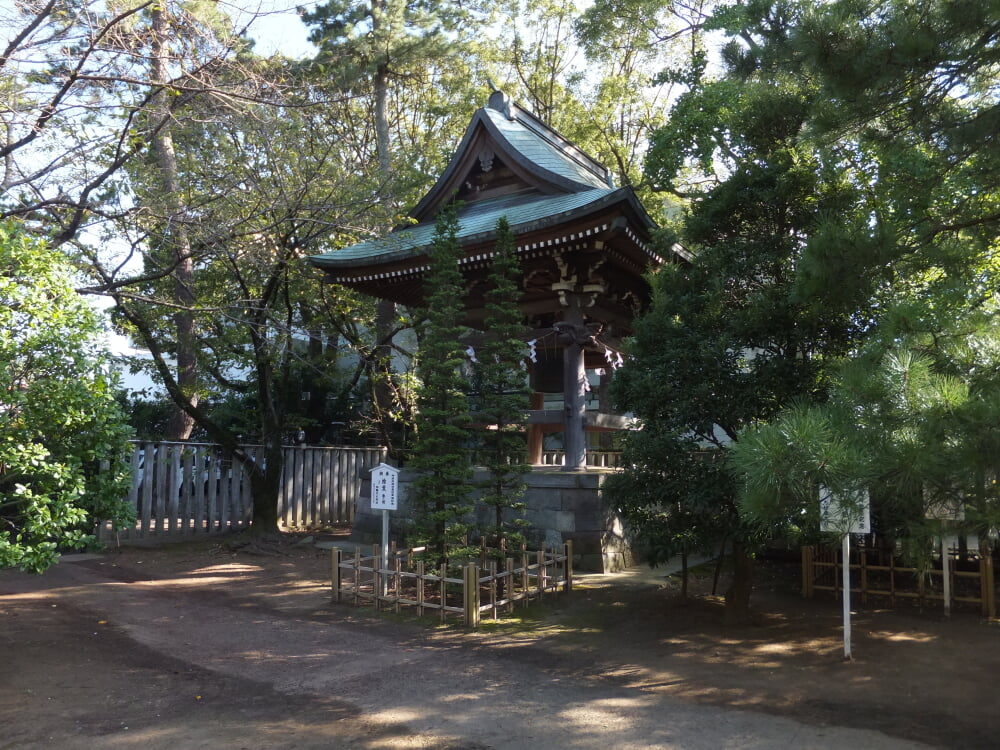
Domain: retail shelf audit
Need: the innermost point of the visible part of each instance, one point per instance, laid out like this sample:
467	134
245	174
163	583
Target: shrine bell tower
584	247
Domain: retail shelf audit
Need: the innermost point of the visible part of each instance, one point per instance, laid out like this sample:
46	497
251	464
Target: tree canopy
836	323
441	495
905	111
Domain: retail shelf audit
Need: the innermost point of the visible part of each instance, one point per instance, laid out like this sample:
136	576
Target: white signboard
946	508
846	513
385	486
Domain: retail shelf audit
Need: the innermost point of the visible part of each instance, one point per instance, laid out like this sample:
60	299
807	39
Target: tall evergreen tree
907	109
501	386
440	456
377	51
729	341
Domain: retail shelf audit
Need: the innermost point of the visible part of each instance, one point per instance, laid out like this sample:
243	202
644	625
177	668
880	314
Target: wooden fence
484	587
189	489
321	485
875	573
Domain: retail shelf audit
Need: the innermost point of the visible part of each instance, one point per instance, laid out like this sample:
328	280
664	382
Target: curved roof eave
546	212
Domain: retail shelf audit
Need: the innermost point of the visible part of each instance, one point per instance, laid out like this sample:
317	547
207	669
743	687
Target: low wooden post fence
470	594
491	589
891	581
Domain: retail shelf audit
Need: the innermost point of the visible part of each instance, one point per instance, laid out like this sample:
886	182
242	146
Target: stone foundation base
560	506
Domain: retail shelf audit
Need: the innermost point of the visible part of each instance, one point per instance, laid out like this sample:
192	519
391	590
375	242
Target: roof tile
474	220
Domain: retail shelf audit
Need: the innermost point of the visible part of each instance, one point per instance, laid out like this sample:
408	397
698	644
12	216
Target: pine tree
729	340
441	497
499	381
913	410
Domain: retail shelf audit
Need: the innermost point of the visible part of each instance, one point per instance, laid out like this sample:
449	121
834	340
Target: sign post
385	486
946	573
845	514
946	511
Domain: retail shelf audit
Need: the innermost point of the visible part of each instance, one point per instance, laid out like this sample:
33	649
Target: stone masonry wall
561	506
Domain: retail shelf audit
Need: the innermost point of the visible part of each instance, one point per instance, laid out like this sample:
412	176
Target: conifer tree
499	381
728	340
441	492
913	408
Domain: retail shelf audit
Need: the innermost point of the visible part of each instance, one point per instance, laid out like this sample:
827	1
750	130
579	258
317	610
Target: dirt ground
220	645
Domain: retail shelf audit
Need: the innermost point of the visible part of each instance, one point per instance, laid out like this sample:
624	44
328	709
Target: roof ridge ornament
500	102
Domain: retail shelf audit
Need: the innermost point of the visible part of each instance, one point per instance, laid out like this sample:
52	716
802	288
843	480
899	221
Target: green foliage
916	437
673	494
357	38
399	73
442	491
149	418
500	383
729	340
904	112
263	188
63	437
590	73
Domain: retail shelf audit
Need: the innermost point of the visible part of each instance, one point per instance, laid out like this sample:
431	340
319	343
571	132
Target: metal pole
946	573
385	550
847	596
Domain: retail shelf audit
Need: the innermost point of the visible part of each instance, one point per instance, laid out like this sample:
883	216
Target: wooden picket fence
182	490
320	486
877	574
468	590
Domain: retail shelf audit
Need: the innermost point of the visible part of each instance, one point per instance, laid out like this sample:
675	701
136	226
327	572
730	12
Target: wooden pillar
471	594
864	577
574	398
337	556
808	572
568	565
536	432
986	582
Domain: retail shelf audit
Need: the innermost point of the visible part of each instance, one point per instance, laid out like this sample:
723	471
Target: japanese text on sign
385	484
846	513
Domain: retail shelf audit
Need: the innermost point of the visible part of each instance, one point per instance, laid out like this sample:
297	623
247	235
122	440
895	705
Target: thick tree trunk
383	142
383	392
738	593
385	316
175	231
265	482
718	565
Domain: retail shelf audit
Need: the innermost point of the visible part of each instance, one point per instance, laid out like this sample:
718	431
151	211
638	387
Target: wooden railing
597	459
468	590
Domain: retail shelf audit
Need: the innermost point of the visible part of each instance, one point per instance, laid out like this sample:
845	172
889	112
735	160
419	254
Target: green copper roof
562	159
476	221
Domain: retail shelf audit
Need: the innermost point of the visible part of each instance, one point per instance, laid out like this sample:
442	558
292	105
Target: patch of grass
527	618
